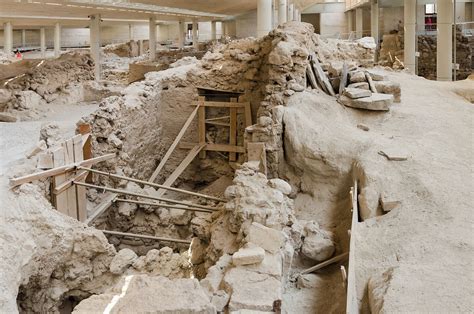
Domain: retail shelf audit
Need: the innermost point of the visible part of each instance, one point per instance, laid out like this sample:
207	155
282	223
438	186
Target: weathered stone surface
248	255
376	76
367	42
357	77
308	281
126	209
251	290
154	294
361	85
355	93
267	238
280	185
376	102
318	247
215	274
388	203
363	127
389	87
220	300
271	265
122	260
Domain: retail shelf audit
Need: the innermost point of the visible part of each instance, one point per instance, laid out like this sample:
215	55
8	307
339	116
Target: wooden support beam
71	192
202	124
325	263
165	205
101	208
173	145
220	104
215	147
217	118
218	123
124	192
248	114
69	183
311	77
321	76
182	166
141	236
59	200
233	130
116	176
81	200
352	305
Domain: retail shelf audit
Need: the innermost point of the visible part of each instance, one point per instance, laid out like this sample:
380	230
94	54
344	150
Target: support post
291	7
410	35
8	37
195	35
359	22
181	34
444	51
23	38
350	15
264	17
282	11
374	20
130	32
296	13
95	44
43	42
152	42
213	30
57	40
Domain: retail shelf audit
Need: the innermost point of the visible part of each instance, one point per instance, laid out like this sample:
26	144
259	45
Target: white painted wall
332	23
246	25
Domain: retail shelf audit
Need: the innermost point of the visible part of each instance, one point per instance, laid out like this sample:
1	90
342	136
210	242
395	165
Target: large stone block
269	239
248	255
251	291
355	93
376	102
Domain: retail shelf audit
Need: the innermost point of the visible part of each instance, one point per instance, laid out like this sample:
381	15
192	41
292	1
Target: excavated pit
246	255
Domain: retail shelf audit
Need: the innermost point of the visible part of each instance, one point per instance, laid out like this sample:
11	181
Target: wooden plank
87	152
64	186
173	145
215	147
322	76
325	263
81	200
248	114
352	305
141	236
372	87
311	77
219	123
58	170
70	192
343	82
146	196
182	166
217	118
165	205
221	104
233	130
202	124
101	208
116	176
59	200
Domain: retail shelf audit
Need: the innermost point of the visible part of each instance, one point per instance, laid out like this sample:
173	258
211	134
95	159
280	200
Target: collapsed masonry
244	253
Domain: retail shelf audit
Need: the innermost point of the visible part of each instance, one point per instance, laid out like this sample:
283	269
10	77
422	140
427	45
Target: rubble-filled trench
245	255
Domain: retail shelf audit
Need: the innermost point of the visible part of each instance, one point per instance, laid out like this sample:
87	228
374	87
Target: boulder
269	239
248	255
388	87
355	93
318	247
251	291
122	261
281	185
376	102
357	77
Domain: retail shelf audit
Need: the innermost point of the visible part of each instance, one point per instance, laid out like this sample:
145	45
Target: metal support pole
152	39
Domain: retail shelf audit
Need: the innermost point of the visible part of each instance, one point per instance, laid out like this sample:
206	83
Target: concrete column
182	32
130	32
374	20
274	13
410	35
94	27
43	42
264	17
23	37
57	40
213	30
291	8
152	39
444	51
359	22
349	15
282	11
295	14
195	35
7	37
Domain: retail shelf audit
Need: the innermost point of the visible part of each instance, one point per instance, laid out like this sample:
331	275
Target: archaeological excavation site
236	156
